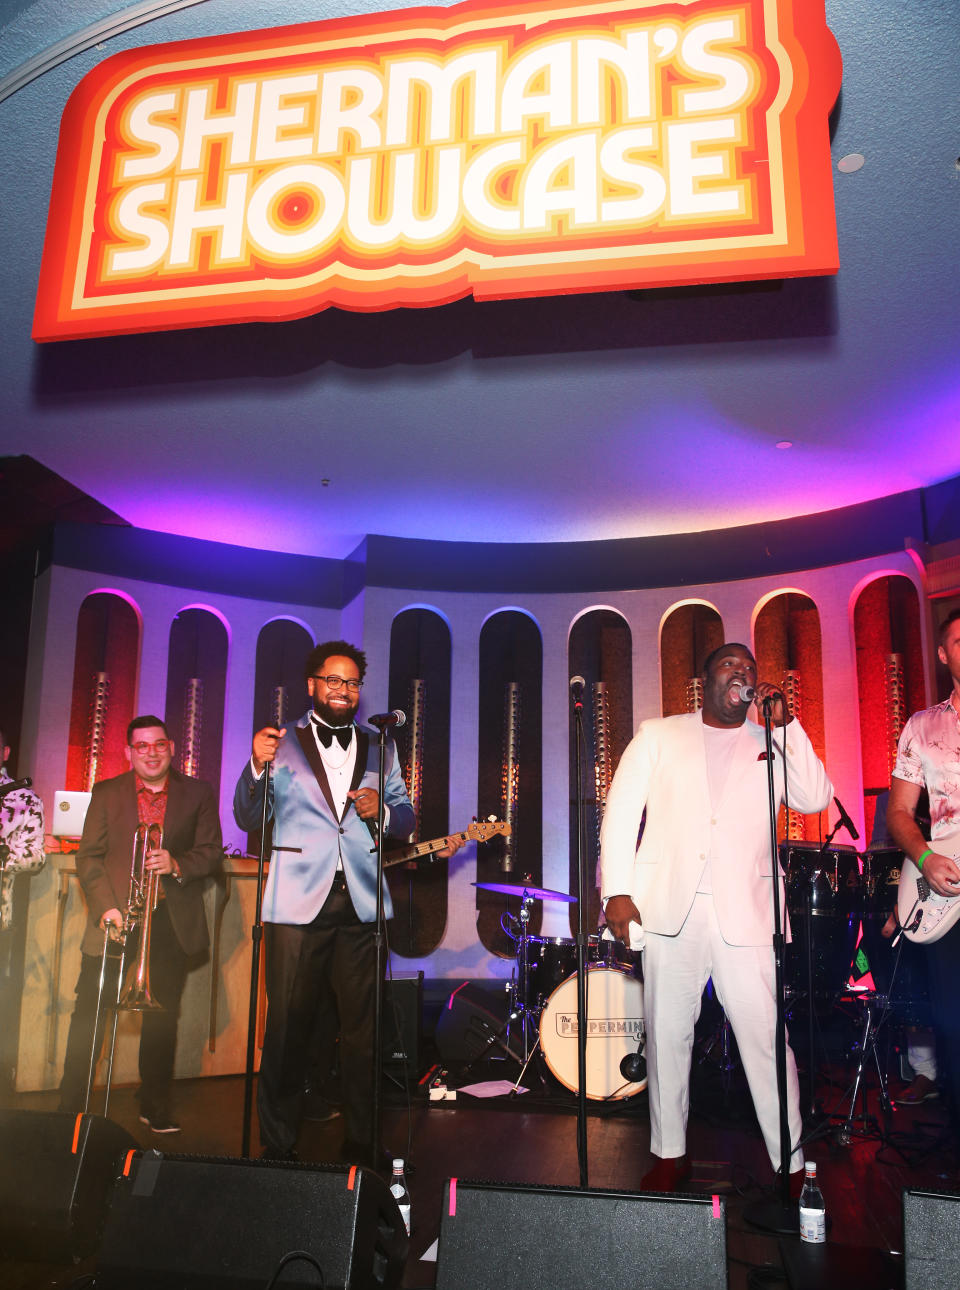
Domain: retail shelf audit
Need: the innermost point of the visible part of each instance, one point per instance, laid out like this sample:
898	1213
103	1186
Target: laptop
69	812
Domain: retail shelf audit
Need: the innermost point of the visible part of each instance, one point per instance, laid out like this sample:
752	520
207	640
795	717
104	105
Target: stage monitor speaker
559	1238
469	1020
403	1024
931	1239
56	1169
208	1223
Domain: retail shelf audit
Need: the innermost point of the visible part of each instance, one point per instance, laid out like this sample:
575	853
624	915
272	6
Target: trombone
142	898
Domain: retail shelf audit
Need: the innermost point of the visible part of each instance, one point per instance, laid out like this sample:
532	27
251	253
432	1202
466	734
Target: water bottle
398	1190
813	1215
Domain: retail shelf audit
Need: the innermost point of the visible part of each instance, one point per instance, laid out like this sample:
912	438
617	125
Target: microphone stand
778	1213
379	939
255	942
581	950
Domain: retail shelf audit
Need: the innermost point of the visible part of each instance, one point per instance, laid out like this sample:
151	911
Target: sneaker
921	1090
159	1123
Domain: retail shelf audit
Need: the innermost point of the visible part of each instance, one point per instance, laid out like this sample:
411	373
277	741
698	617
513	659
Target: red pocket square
763	756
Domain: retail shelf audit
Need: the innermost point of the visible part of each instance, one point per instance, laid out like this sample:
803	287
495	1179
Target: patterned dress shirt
21	840
928	755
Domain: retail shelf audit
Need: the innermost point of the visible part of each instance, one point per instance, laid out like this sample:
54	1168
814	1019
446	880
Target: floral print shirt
21	840
929	755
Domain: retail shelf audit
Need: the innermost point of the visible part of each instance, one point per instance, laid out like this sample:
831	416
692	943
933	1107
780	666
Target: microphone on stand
388	720
576	689
845	819
746	693
633	1067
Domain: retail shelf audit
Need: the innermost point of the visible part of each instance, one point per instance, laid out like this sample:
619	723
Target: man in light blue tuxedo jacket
319	905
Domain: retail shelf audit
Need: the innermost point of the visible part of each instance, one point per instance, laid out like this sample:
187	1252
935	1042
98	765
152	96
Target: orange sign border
809	245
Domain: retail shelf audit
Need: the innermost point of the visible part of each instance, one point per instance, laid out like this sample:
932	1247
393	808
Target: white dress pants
675	971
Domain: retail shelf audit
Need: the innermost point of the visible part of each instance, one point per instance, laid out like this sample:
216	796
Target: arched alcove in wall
788	648
196	686
279	687
509	729
687	635
890	677
105	670
599	650
420	688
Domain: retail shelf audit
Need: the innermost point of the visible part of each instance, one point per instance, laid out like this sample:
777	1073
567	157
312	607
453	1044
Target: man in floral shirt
21	851
21	836
929	757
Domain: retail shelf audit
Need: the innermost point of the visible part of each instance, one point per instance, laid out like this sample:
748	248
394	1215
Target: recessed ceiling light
851	162
783	444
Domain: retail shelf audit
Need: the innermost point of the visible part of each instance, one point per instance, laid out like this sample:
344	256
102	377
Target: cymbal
530	893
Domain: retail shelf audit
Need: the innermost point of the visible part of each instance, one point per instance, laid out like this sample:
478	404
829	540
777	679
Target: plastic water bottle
398	1190
813	1214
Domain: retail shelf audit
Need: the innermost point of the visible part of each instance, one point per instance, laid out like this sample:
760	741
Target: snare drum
614	1029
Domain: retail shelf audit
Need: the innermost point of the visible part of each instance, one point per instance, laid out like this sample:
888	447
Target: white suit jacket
664	770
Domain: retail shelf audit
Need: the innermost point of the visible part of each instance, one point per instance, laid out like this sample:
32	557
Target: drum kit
544	1001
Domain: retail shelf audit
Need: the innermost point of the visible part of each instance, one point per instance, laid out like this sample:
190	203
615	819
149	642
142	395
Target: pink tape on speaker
453	1198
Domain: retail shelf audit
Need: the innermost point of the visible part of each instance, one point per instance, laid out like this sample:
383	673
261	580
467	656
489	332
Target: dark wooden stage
532	1139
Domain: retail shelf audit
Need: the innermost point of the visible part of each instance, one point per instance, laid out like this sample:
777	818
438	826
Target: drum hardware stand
496	1039
872	1003
522	1002
724	1059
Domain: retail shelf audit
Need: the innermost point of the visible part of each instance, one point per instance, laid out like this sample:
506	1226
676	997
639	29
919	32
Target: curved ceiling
565	418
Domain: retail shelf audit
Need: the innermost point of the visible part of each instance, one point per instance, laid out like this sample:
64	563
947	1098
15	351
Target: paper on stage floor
492	1088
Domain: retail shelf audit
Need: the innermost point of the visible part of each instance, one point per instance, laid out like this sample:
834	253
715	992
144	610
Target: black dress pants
158	1038
325	968
944	964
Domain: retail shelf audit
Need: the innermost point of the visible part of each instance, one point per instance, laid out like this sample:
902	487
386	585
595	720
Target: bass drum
614	1029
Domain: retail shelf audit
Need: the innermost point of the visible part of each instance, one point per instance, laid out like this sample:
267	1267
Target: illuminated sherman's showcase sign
413	157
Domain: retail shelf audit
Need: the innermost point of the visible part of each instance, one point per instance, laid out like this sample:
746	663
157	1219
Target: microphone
14	785
576	689
386	720
633	1067
747	693
845	819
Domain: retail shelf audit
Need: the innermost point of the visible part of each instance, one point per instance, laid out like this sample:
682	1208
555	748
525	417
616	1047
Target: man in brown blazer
191	848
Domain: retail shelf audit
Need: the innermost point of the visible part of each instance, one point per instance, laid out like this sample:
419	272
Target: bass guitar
478	831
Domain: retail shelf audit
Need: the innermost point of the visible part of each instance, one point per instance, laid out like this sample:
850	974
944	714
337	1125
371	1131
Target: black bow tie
326	734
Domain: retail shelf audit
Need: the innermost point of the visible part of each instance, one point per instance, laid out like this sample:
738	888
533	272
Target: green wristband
921	858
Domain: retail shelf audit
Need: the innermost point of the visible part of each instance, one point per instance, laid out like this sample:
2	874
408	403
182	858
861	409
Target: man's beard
335	716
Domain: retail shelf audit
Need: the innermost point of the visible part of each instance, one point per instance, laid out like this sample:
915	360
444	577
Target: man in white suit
699	886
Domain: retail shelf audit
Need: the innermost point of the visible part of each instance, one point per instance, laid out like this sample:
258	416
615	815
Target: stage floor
532	1138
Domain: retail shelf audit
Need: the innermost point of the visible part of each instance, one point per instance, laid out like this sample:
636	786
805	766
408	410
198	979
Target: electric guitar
478	831
924	915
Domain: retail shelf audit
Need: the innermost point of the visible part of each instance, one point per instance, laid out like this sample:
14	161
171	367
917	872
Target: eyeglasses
143	747
335	682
